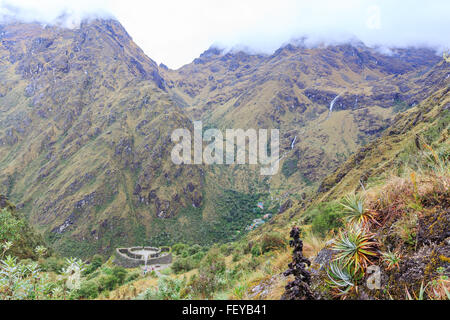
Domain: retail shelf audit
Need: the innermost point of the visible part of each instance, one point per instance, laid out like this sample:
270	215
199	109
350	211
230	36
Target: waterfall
293	142
333	102
332	105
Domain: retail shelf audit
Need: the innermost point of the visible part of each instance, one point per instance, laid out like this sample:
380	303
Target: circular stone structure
134	257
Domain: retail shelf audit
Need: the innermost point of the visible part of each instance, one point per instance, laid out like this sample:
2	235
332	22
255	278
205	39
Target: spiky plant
392	259
342	279
41	251
353	206
355	247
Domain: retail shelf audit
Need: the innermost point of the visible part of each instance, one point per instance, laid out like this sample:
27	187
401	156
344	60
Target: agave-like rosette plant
355	247
342	279
392	259
353	205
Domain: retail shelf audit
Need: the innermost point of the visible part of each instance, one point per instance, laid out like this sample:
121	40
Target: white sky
177	31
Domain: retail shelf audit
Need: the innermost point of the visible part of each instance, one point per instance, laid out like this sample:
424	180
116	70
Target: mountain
293	90
85	128
86	119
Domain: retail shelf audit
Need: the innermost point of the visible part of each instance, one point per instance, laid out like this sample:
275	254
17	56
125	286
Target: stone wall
126	258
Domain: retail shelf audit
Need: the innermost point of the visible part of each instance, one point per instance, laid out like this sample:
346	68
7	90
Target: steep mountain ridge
85	136
294	89
86	118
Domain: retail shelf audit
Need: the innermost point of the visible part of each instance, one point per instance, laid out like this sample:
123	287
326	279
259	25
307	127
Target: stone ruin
134	257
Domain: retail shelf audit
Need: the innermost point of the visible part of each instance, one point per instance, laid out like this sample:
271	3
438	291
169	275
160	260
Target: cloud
175	32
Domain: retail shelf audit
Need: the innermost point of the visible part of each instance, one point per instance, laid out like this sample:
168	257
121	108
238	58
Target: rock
324	258
285	206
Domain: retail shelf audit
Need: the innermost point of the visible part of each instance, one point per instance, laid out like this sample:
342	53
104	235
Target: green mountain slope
86	119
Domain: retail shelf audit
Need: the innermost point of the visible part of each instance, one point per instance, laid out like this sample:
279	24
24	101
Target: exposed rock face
285	206
299	289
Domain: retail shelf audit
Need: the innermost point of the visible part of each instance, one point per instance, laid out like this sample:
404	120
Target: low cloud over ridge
176	32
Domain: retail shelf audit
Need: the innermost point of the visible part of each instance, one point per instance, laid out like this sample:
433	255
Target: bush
96	263
210	276
168	289
226	249
52	264
194	249
88	290
272	241
119	273
107	283
178	248
132	276
326	218
181	265
256	250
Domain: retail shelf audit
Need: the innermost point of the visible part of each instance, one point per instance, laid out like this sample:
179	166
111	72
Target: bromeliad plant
353	206
392	259
355	247
343	279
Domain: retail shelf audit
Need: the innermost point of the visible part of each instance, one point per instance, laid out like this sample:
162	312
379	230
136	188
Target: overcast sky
177	31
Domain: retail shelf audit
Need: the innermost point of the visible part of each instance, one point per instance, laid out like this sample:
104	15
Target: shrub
52	264
326	218
96	263
272	241
168	289
88	290
256	250
178	248
181	265
226	249
194	249
10	226
132	276
120	273
210	276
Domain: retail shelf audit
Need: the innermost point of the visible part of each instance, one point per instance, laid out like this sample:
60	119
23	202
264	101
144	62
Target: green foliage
211	275
236	211
20	281
355	247
52	264
342	278
354	208
88	290
96	262
178	248
168	289
272	241
10	226
102	281
289	167
132	276
188	257
326	217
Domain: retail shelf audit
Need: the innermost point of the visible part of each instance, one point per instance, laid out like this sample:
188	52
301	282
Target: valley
86	119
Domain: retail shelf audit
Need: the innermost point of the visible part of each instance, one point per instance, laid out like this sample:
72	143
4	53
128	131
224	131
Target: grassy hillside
86	119
401	181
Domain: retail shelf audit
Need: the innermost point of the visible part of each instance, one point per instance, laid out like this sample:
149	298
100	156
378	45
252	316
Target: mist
176	32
